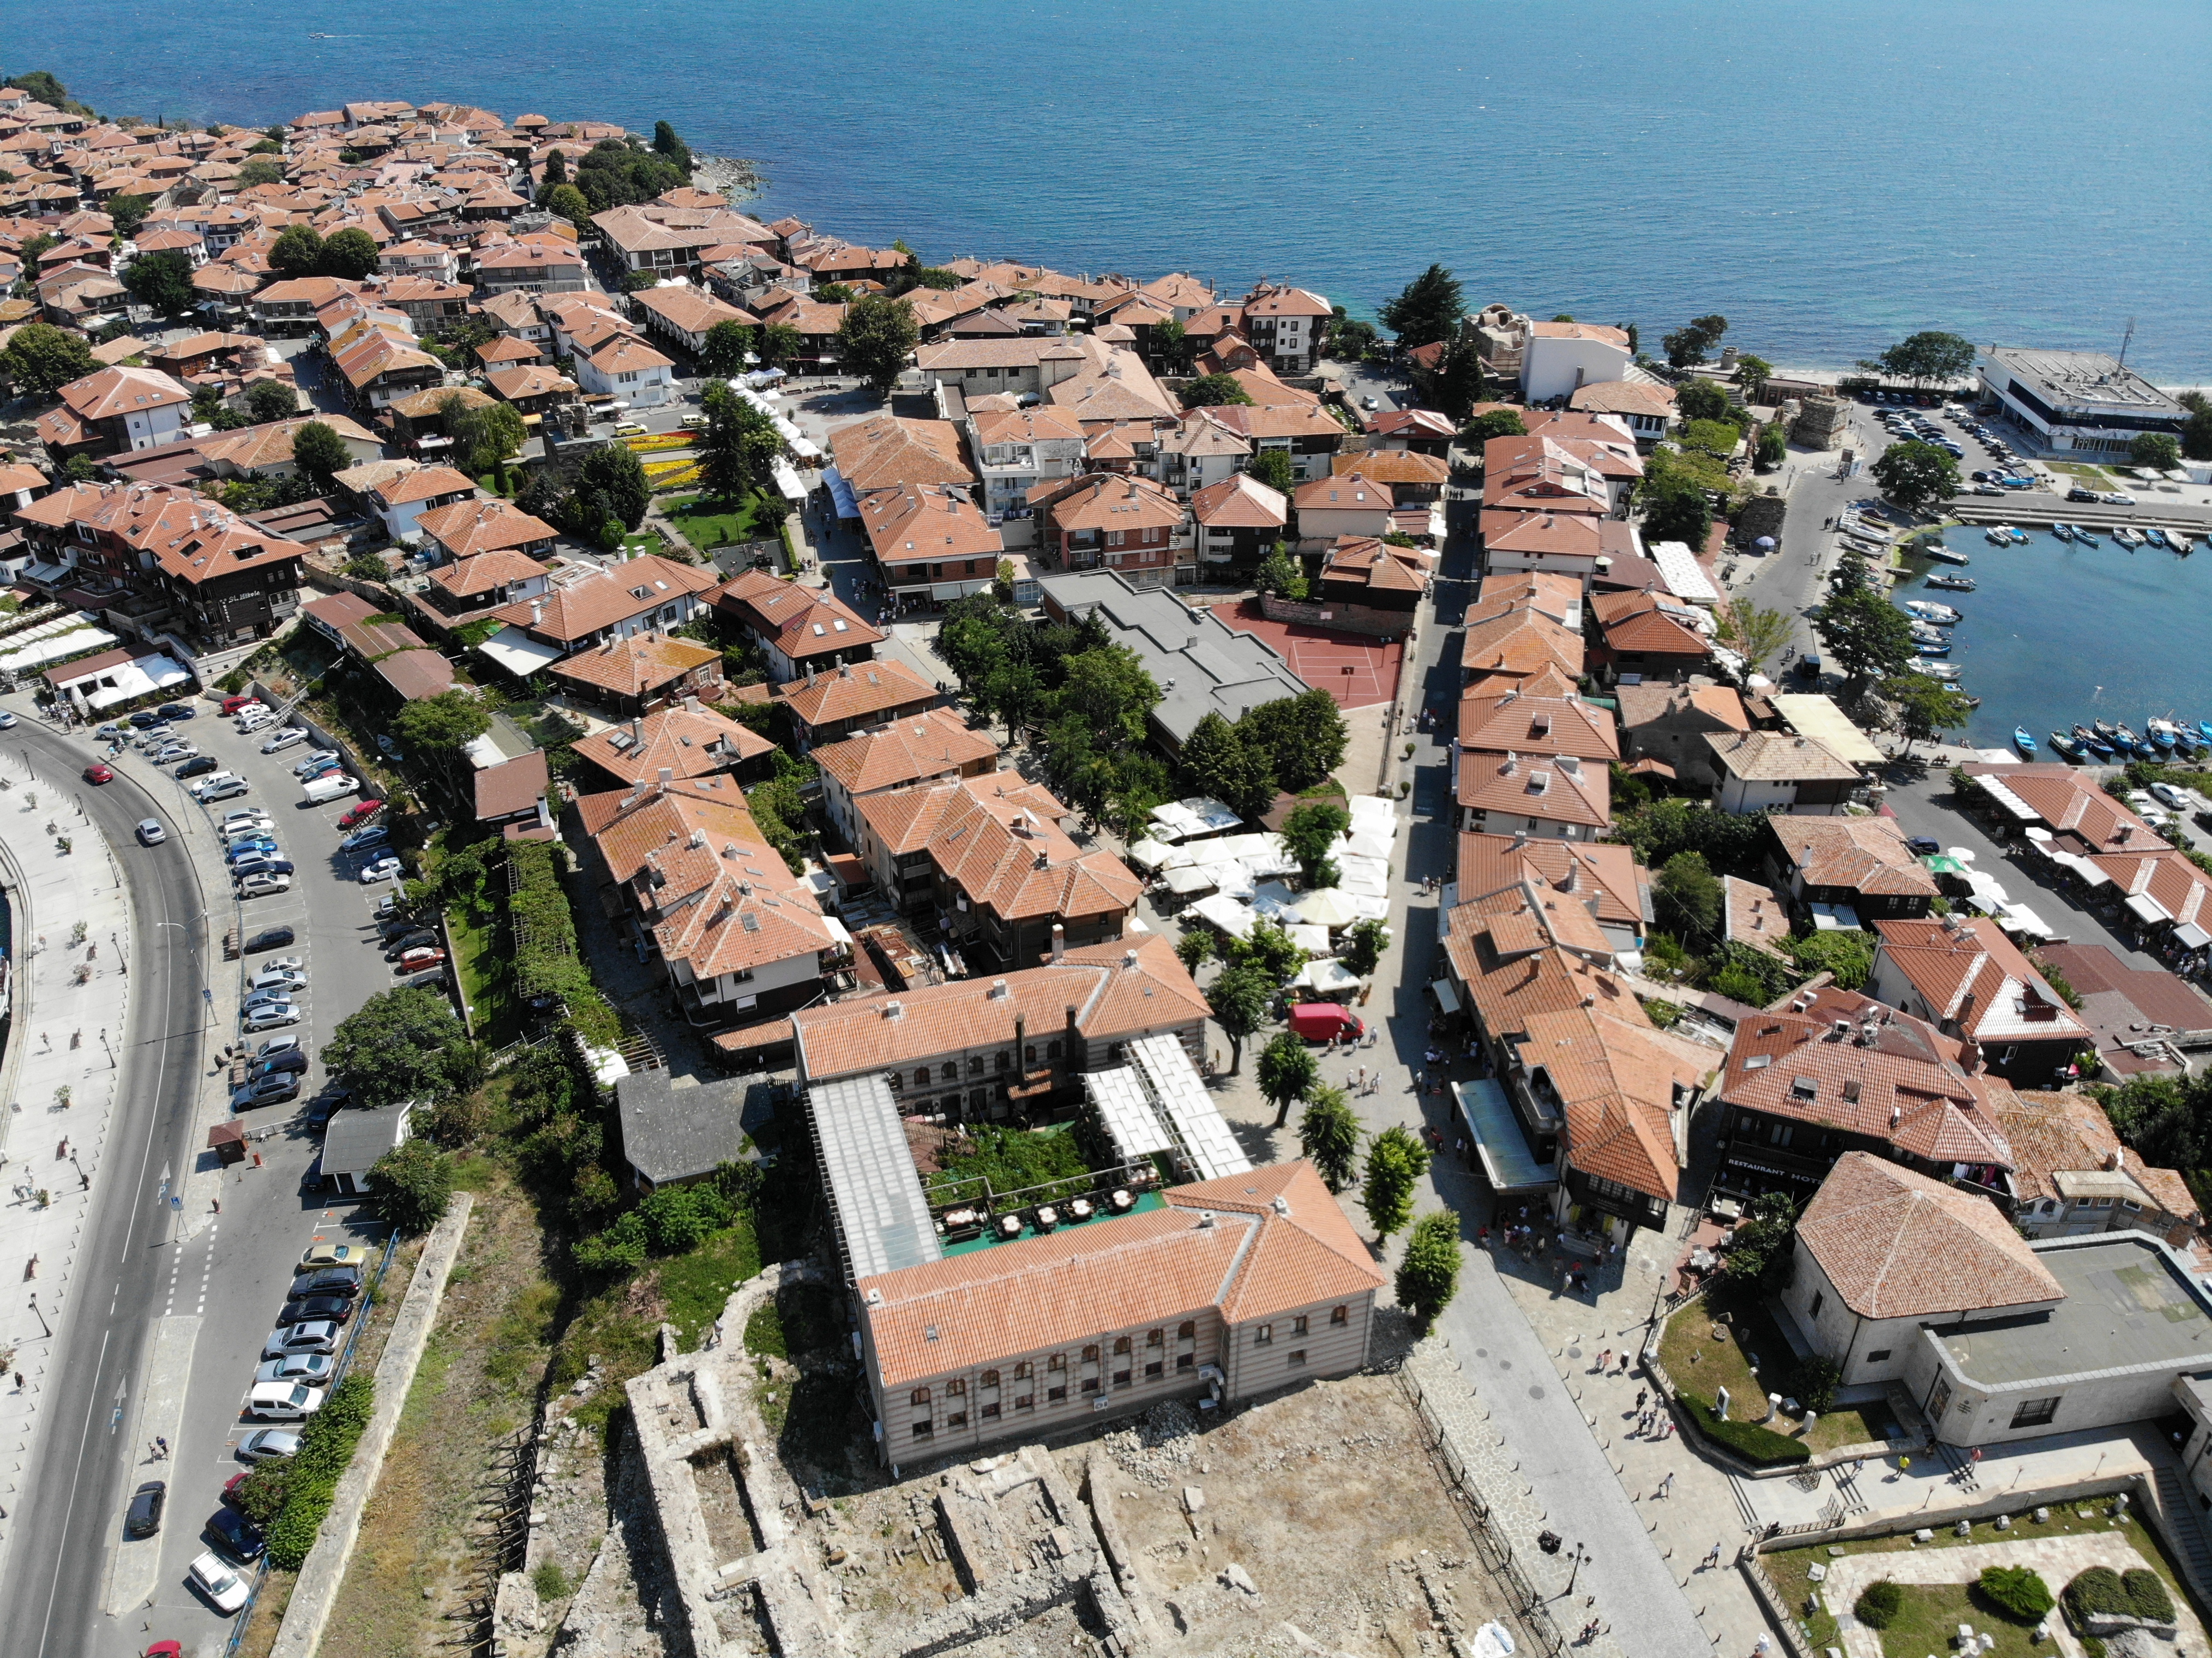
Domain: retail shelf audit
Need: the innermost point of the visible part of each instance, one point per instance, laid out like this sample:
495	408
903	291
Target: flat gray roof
1202	664
2081	380
875	1190
2129	1307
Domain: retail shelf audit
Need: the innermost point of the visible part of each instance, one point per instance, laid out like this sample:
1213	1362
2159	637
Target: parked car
1985	490
253	844
7	721
237	1533
2077	493
311	1310
327	1281
225	1590
272	868
2117	498
273	977
269	1018
150	832
322	769
169	753
245	817
233	704
384	868
293	1063
2171	796
198	768
263	886
178	711
265	1444
329	788
219	786
1321	1022
360	814
412	940
96	772
321	1337
375	835
254	720
336	1255
307	762
274	1089
269	938
144	718
414	961
144	1517
282	739
1922	846
269	998
284	1401
297	1367
276	1045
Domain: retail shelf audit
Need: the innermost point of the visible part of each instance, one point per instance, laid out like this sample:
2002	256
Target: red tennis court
1359	672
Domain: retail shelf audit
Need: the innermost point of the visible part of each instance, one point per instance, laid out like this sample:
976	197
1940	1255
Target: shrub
326	1446
1761	1447
620	1248
2147	1595
549	1581
1879	1603
681	1218
2098	1589
1813	1382
2017	1591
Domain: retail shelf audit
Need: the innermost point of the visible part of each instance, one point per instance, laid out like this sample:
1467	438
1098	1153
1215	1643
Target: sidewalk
58	1078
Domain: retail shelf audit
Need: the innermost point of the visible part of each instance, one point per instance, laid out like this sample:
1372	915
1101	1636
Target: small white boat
1938	551
2127	537
2017	534
1943	670
1942	616
2181	542
2081	534
2064	531
2000	534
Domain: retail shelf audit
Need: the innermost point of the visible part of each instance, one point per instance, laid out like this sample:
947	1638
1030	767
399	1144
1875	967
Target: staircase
1962	1467
2177	1504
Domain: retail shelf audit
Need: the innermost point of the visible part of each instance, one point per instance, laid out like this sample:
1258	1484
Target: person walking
1604	1360
1666	1485
1712	1558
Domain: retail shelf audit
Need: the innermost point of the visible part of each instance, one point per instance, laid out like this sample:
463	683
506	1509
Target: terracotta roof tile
1896	1244
639	665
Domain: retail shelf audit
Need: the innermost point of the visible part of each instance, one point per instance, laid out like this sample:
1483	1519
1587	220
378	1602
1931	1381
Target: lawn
486	482
1787	1567
2092	476
483	963
642	541
1931	1617
708	525
1724	1363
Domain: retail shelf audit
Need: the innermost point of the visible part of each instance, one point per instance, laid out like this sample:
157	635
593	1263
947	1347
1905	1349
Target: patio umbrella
1327	976
1332	907
1764	542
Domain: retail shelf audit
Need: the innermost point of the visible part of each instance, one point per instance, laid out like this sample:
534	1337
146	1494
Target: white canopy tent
1331	907
1146	853
1327	976
1228	915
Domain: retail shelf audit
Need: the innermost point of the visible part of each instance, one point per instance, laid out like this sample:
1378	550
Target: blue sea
1829	176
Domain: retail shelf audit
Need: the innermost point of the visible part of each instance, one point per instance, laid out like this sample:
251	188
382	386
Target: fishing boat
2090	742
1928	611
2180	542
1999	535
1931	644
2134	745
2081	534
2017	534
2062	743
2064	531
1941	554
1957	583
2155	535
1970	702
2204	729
2161	731
1946	671
2127	536
2023	739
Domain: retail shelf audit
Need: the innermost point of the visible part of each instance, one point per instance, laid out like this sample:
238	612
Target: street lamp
1581	1553
45	1328
206	997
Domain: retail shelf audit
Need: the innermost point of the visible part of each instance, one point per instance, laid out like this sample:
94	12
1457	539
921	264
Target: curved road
49	1604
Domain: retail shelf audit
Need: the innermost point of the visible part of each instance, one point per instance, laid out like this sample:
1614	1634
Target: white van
330	787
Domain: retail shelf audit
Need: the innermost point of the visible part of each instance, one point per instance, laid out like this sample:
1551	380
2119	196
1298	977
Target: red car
96	772
233	704
415	960
360	814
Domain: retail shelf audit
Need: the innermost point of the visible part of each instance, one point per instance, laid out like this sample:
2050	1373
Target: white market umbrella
1332	907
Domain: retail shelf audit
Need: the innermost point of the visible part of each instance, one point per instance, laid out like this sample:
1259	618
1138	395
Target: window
991	1411
1090	1354
1187	1330
1005	1060
1058	1361
975	1065
956	1389
2034	1413
1056	1394
921	1396
1120	1345
1339	1315
1052	1050
1090	1384
1156	1337
922	1429
1029	1053
1024	1370
948	1071
1114	537
1782	1134
1878	1355
1153	1369
1263	1335
1298	1325
1818	1301
1025	1401
1297	1355
921	1076
1186	1360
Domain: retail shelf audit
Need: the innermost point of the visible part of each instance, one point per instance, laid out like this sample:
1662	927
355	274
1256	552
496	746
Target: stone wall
1338	618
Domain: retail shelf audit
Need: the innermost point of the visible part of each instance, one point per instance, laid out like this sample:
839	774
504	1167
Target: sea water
1829	178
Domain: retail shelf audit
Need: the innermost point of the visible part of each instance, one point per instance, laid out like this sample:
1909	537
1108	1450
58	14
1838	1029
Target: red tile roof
1896	1244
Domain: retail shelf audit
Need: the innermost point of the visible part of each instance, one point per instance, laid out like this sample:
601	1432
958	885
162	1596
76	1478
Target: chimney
999	992
668	776
810	676
537	612
1021	1038
1059	943
690	705
637	731
1073	1037
894	1010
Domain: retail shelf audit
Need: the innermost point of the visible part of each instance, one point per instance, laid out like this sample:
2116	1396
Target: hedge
1760	1447
2017	1591
311	1477
2147	1595
1879	1603
546	961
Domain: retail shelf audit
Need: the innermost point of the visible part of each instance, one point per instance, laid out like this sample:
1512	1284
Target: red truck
1325	1022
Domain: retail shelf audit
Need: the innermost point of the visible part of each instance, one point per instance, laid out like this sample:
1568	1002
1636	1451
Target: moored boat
1946	671
2180	542
2081	534
2090	742
1959	584
1942	555
2159	731
2023	739
2064	531
1999	534
2127	536
2155	535
2204	729
2017	534
2062	743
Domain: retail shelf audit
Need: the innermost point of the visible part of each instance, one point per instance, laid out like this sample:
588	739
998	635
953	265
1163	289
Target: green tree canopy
441	726
555	172
1364	945
1218	760
1279	573
620	172
1923	357
1428	1273
319	454
1287	1070
1311	831
566	202
1240	996
1699	398
1427	309
271	400
1753	634
41	359
1328	1135
1773	447
2159	451
1869	637
1396	1160
413	1184
1676	509
260	171
402	1044
1212	390
1925	707
1686	898
127	213
738	447
1350	339
1717	438
616	472
665	142
875	339
1916	474
1752	375
351	254
162	283
1847	952
1688	345
1492	423
487	435
1304	737
1109	692
1173	345
1455	385
722	352
297	251
1272	468
2197	430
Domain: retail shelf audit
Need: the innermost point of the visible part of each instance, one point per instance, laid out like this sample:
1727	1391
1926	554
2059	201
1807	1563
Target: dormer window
1803	1088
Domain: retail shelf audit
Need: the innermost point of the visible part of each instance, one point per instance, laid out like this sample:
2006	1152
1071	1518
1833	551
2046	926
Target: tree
1212	390
1108	692
1279	573
413	1184
616	472
1428	1273
351	254
319	454
1676	510
1287	1071
1350	339
566	202
555	175
1698	398
1311	831
2197	430
1396	1162
1270	948
1688	345
1329	1135
665	142
401	1045
621	172
161	281
1916	474
1173	345
1773	447
1194	950
485	435
737	448
1925	707
1753	634
1455	385
1752	375
1363	945
1427	309
1272	468
1217	761
1686	898
259	172
722	353
1016	693
1304	737
441	727
297	251
1239	998
1927	356
778	342
271	400
1492	423
41	359
1846	952
2159	451
127	213
875	339
1717	438
1869	637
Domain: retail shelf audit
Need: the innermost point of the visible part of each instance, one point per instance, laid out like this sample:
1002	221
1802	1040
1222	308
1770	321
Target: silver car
150	832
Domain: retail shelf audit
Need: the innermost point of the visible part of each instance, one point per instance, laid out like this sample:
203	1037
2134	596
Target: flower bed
672	474
646	443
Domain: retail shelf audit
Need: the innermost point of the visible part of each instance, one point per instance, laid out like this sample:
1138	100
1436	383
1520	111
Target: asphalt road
231	1270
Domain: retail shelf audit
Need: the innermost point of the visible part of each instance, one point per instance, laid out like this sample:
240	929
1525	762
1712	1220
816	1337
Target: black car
144	718
144	1518
1922	846
269	938
238	1534
196	767
2079	494
337	1308
292	1059
407	941
327	1281
177	711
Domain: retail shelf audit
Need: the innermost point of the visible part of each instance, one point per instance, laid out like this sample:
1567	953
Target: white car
2171	796
260	886
384	868
309	761
2117	499
312	1368
283	740
245	823
151	834
282	980
7	721
224	1587
284	1401
219	786
274	1017
286	965
170	753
